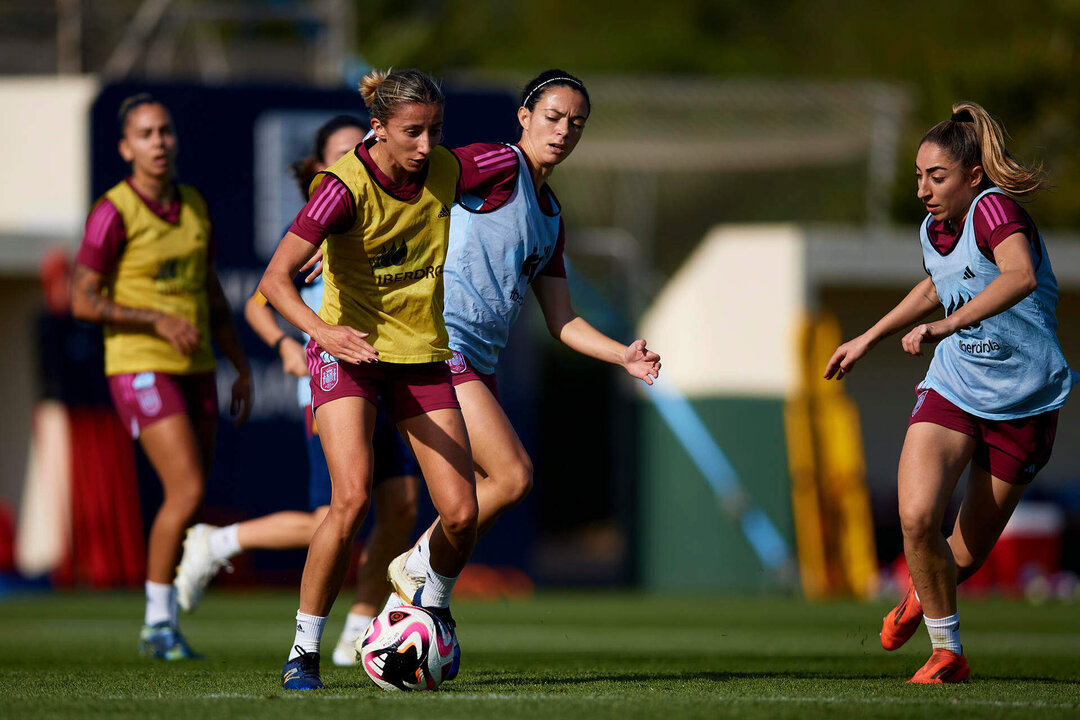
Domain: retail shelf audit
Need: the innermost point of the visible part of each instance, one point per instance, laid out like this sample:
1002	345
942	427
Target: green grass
584	656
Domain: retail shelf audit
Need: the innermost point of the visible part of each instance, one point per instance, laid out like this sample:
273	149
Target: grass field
568	655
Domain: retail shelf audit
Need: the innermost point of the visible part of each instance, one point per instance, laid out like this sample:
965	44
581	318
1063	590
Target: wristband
277	343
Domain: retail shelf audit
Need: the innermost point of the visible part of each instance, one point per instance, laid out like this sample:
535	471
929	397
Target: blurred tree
1020	62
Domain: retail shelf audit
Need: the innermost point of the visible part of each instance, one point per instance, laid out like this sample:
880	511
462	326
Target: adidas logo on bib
445	212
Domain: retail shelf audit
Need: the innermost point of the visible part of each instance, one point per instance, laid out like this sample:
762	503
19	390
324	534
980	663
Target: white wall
44	141
725	323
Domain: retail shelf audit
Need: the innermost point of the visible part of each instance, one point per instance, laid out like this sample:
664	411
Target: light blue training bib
1009	365
492	258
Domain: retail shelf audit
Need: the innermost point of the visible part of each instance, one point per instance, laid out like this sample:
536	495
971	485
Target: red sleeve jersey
996	217
104	234
490	171
103	238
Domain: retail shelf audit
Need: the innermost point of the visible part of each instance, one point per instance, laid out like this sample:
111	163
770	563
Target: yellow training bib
384	276
162	267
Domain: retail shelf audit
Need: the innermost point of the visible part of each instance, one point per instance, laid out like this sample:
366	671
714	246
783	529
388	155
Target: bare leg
395	516
345	427
930	465
988	504
281	530
174	452
495	445
441	446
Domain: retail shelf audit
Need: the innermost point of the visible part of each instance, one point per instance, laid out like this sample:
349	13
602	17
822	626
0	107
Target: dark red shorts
407	390
146	397
1012	450
462	372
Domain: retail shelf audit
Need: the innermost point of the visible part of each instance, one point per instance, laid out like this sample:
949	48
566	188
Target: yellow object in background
834	528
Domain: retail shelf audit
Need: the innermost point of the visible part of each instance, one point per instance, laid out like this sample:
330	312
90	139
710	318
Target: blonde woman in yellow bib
145	270
384	212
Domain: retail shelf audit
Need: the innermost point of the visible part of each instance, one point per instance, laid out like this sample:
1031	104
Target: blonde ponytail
973	138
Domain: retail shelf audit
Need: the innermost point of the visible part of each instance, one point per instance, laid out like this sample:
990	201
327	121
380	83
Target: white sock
945	633
419	559
160	603
437	590
309	630
392	603
355	625
224	542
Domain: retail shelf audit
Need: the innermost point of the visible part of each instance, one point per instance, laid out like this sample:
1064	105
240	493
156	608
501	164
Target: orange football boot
902	621
944	666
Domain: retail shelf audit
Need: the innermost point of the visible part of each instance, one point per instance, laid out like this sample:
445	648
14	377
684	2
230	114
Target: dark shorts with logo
406	390
143	398
462	371
1011	450
392	458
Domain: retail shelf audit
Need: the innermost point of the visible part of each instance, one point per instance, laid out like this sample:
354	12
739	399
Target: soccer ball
407	648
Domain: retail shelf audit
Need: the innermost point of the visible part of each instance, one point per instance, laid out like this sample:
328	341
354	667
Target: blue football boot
302	673
162	641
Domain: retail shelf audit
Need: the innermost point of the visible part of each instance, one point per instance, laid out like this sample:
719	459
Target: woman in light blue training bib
992	392
504	241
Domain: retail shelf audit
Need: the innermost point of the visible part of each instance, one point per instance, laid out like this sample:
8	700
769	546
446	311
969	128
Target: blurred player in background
208	549
996	380
506	236
145	270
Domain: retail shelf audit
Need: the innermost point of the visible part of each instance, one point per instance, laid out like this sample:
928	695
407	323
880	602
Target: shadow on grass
517	680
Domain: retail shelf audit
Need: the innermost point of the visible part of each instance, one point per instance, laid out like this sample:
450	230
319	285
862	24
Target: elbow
265	289
558	322
80	308
1028	283
250	310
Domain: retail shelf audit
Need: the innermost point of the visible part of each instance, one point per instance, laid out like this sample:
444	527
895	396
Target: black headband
962	116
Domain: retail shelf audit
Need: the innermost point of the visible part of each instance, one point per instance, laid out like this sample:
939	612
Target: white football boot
345	652
406	585
197	567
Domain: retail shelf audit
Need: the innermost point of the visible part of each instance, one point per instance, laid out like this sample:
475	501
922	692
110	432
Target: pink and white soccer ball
406	648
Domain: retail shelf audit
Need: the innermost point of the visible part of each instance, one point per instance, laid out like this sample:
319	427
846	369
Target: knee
968	564
349	507
186	499
516	481
968	559
460	522
521	480
918	526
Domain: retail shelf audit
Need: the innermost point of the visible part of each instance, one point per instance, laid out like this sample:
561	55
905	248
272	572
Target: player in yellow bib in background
145	270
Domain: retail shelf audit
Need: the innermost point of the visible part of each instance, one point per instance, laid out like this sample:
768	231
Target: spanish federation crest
458	364
328	376
919	402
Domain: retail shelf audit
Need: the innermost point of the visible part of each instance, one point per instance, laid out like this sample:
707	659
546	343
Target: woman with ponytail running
998	376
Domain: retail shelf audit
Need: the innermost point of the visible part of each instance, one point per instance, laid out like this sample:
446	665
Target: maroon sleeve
489	171
996	218
555	267
331	209
103	238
